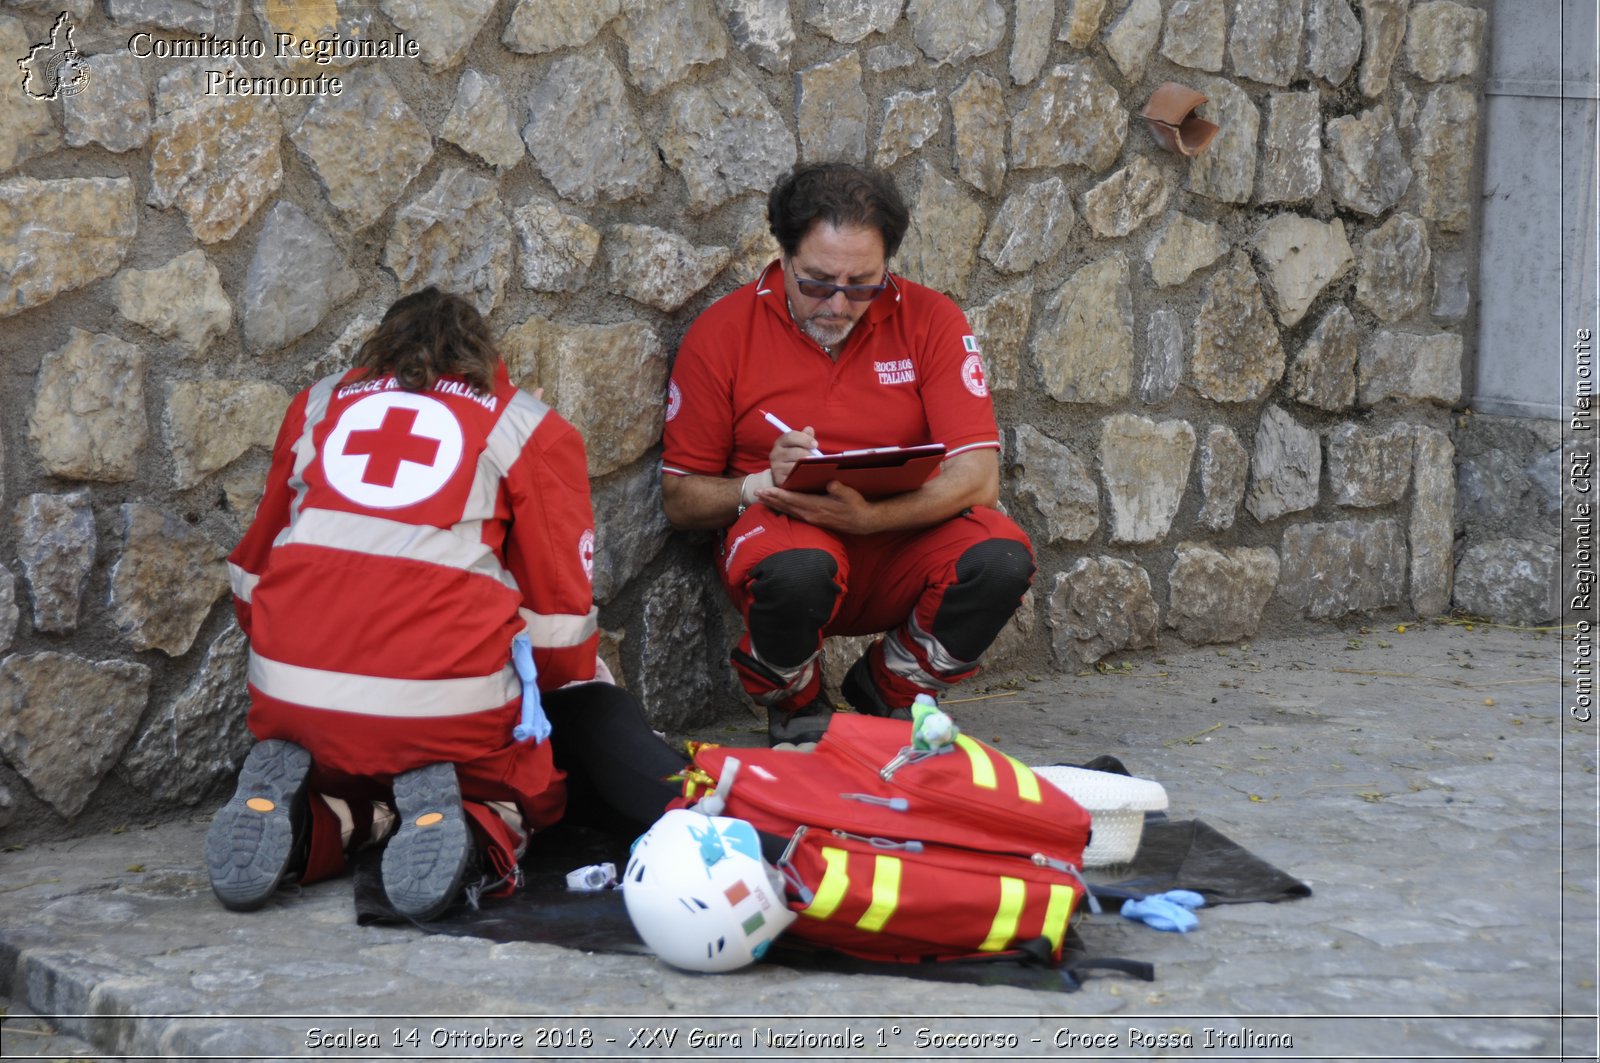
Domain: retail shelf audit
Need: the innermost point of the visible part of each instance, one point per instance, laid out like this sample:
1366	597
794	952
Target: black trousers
616	766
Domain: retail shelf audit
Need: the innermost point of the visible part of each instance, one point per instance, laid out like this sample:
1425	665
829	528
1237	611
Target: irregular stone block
480	122
216	17
1393	278
756	248
1226	170
1510	581
365	146
1197	32
209	423
1130	39
1287	467
56	544
165	582
296	277
1182	246
1333	40
1074	117
1001	326
88	418
583	134
630	527
1238	354
538	26
1383	25
666	39
213	156
116	113
1291	156
1084	347
443	30
883	58
1031	227
1265	45
1163	357
1324	371
1452	287
1369	466
1127	199
1058	486
27	129
762	30
589	372
726	139
1445	40
1032	21
1365	165
9	613
1347	566
1224	472
978	115
1300	258
554	248
1447	139
658	268
1082	22
1404	365
64	755
831	111
1218	595
59	235
196	742
182	300
941	246
952	31
680	631
1433	526
1100	606
454	236
848	21
910	120
1145	466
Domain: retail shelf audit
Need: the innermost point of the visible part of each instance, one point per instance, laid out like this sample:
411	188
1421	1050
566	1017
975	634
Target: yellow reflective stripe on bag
1027	781
885	893
1013	893
982	767
835	882
1056	914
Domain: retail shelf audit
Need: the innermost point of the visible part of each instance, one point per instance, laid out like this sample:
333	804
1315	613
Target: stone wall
1226	380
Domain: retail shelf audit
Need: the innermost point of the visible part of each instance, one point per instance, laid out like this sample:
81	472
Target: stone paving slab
1426	784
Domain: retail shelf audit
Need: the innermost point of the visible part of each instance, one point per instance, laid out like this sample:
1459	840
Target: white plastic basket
1116	805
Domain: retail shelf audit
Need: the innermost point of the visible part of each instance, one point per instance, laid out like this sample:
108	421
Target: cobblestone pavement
1427	784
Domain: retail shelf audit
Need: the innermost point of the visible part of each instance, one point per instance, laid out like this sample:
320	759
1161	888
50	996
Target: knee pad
991	578
793	594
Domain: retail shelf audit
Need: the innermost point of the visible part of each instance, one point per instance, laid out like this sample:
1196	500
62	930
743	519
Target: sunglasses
856	293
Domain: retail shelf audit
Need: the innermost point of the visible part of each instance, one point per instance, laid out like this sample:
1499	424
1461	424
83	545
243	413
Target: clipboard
876	473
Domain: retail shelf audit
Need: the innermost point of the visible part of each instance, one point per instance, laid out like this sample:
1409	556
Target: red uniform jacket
403	540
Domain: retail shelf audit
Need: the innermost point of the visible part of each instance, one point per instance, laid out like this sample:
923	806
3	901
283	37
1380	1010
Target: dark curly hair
430	334
841	194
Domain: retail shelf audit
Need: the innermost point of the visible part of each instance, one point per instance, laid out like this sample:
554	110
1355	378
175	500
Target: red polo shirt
911	373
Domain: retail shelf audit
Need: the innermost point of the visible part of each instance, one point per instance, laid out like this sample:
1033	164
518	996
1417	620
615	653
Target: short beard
826	335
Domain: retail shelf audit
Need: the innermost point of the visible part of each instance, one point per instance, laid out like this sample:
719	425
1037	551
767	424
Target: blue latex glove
535	724
1166	911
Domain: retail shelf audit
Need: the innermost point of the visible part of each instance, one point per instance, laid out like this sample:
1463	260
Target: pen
780	426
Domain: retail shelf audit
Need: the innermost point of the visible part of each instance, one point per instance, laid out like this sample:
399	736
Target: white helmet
699	893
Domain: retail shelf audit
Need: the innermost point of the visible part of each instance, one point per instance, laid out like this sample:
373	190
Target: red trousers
795	584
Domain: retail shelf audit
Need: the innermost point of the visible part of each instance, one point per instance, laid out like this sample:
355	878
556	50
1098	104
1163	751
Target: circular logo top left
392	449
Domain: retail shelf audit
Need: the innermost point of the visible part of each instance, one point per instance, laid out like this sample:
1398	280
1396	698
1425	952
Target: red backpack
901	855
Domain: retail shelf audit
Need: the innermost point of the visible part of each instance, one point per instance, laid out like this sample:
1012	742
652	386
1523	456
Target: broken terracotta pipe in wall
1172	118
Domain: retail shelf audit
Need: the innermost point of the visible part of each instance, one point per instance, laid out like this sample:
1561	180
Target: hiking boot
256	837
425	861
859	690
801	728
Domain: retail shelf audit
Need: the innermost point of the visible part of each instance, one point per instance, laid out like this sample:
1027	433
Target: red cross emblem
391	443
972	376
